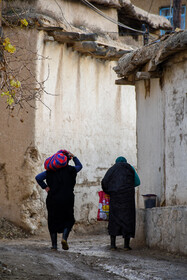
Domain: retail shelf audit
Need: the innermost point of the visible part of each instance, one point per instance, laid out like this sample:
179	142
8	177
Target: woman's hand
71	155
47	189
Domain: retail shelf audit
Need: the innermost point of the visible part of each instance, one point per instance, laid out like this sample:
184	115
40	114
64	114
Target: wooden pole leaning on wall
177	6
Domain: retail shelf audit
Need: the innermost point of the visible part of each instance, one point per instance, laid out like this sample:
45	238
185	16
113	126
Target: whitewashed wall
90	116
166	228
84	112
162	134
150	140
175	89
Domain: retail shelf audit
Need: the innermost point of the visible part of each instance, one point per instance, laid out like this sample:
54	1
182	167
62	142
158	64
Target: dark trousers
113	241
54	237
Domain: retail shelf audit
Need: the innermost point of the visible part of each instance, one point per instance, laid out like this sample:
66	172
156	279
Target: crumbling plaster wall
12	161
20	198
85	113
175	90
89	115
161	130
166	228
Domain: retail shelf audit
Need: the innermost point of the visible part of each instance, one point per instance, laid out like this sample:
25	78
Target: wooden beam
150	66
131	79
147	75
70	37
50	28
152	55
143	75
97	50
48	38
124	82
85	46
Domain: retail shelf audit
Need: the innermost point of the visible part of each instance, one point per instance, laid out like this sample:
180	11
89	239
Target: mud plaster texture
166	228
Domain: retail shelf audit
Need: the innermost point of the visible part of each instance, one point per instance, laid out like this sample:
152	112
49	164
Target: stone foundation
166	228
160	227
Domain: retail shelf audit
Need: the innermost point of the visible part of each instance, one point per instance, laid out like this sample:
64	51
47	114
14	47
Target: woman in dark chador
119	182
60	199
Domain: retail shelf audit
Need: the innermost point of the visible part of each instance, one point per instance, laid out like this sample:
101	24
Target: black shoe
113	248
127	248
64	244
127	243
113	242
53	240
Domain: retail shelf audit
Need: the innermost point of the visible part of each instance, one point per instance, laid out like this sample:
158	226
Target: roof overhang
144	63
133	12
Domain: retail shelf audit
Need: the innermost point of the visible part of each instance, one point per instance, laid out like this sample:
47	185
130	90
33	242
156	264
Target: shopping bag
103	209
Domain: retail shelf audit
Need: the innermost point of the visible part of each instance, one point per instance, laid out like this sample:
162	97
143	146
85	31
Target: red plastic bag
103	209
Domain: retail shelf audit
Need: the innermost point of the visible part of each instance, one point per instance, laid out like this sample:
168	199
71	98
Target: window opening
167	12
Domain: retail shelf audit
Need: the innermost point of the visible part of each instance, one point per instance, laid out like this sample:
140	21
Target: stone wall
166	228
162	228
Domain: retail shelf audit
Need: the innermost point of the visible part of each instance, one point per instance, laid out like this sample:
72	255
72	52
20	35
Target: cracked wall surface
84	112
90	116
20	200
176	115
166	228
161	130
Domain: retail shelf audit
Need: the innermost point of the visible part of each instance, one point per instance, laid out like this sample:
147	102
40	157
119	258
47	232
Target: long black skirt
60	212
122	214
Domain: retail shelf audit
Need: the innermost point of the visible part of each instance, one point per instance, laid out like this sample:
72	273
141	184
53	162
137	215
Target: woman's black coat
119	183
60	199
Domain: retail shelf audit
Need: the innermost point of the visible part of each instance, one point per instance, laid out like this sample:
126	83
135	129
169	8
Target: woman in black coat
60	199
119	182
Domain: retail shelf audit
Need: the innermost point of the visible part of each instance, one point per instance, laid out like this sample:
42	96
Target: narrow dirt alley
89	258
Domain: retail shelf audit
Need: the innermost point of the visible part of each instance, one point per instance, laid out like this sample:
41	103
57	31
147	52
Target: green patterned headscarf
121	159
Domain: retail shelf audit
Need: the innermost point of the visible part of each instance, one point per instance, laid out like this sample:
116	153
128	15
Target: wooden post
177	5
145	34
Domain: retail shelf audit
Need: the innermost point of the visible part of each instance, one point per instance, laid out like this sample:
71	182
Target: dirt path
89	258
